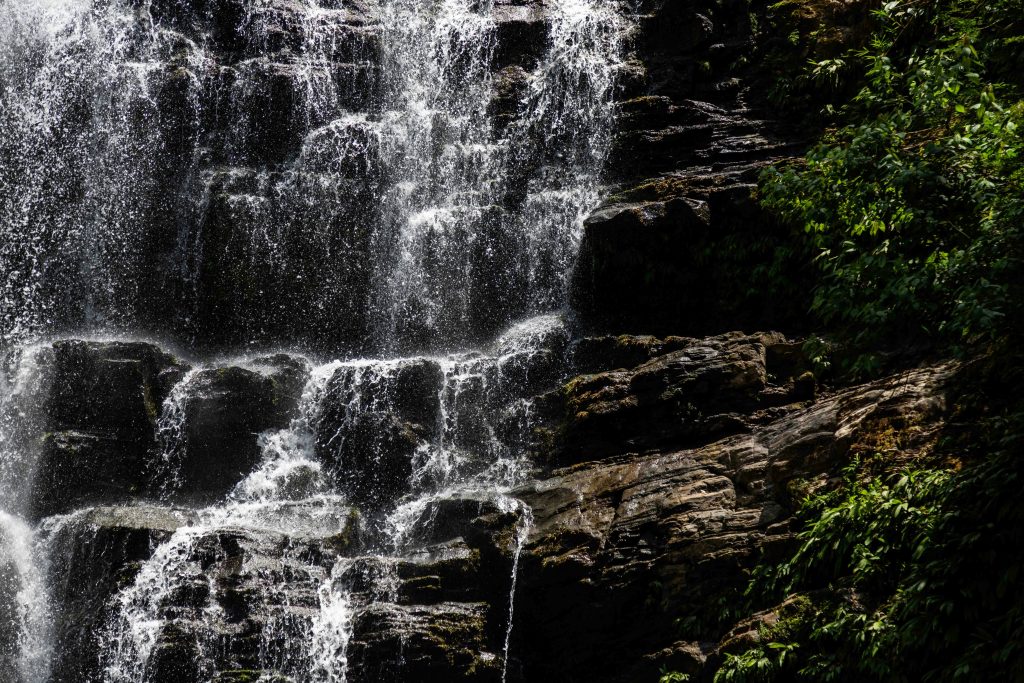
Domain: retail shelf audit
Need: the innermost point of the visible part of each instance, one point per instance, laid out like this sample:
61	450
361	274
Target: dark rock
101	549
225	411
438	642
598	354
100	423
521	34
110	387
370	447
686	262
692	393
234	586
175	657
297	292
511	86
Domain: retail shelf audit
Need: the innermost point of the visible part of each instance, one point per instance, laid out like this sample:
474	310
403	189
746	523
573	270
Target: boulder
373	421
102	549
439	643
591	355
695	393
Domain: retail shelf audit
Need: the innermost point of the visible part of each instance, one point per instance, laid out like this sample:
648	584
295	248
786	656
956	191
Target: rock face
100	422
369	432
105	435
627	540
693	393
681	246
224	411
241	601
94	555
663	474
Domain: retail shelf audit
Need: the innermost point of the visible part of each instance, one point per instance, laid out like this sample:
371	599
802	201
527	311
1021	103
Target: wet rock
521	33
527	369
271	290
250	676
510	88
100	422
439	643
111	387
101	549
231	588
370	448
225	410
448	572
175	657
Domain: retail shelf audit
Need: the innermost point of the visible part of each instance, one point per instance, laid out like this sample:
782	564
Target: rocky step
627	541
100	434
697	391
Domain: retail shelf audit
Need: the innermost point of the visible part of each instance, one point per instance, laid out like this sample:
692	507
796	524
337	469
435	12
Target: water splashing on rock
394	184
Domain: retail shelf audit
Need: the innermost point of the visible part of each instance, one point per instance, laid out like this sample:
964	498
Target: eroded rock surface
662	475
627	540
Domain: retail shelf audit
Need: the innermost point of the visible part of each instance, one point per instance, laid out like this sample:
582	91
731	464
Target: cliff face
546	508
659	477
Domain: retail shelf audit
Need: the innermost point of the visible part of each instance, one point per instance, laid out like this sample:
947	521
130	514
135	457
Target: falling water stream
371	183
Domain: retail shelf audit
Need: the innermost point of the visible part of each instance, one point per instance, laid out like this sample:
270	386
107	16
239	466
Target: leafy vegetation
910	577
914	205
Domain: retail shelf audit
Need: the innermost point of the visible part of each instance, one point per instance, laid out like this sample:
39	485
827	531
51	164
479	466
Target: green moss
654	189
794	616
349	535
152	409
249	676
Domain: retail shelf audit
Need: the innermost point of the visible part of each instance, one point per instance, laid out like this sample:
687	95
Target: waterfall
25	635
484	217
352	166
25	644
523	526
170	432
396	190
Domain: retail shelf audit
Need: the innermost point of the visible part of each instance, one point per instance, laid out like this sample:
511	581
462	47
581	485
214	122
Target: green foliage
911	577
914	207
673	677
866	531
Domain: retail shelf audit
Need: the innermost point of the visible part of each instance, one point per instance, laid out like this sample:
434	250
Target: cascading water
349	178
481	224
25	646
25	638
